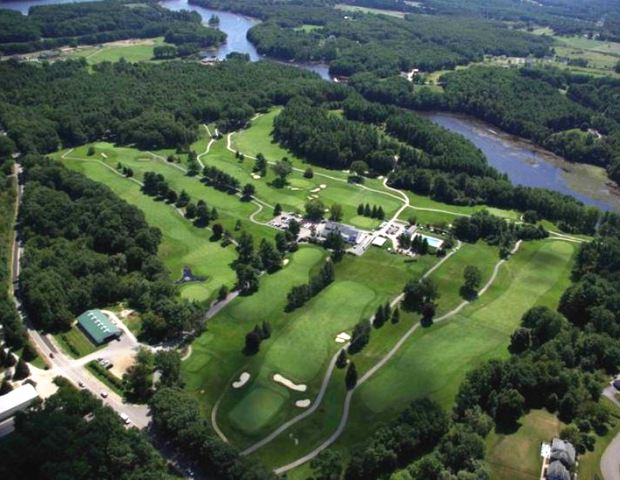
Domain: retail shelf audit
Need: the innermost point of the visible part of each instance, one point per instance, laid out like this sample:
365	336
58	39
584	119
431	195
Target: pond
526	164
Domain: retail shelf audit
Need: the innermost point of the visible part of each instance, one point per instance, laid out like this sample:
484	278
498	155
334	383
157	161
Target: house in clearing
98	327
562	458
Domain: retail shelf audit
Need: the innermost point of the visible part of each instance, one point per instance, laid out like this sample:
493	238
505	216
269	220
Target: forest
43	107
71	24
526	102
85	246
352	42
47	438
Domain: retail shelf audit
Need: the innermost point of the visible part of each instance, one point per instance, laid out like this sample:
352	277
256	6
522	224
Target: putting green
264	400
182	243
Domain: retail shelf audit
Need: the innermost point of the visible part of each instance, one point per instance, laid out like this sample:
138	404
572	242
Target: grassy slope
182	243
258	139
433	362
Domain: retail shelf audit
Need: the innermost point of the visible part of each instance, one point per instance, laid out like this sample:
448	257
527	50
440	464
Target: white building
17	400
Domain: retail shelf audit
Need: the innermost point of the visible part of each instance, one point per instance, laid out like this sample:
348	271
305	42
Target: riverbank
527	164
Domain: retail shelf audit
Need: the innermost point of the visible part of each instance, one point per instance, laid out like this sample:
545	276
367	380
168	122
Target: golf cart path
347	403
328	374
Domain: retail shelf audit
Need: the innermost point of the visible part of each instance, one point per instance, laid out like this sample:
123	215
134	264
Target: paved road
610	461
60	364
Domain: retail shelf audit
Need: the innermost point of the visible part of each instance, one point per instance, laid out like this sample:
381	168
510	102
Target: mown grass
376	11
517	455
75	343
434	361
113	52
182	243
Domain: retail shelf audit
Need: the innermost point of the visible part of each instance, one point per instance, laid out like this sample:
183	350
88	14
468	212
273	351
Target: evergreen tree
277	210
360	209
380	213
29	353
266	330
379	318
6	387
21	370
396	316
351	376
373	213
367	211
222	293
387	311
341	361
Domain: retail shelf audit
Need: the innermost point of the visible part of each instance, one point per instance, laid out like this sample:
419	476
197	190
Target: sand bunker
322	185
314	190
104	155
294	188
343	337
243	379
255	176
288	384
285	261
305	403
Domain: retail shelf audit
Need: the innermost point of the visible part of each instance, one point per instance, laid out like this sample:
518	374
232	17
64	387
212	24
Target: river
527	164
235	26
524	163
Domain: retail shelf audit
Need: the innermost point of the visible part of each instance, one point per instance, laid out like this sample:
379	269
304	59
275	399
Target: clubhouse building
98	326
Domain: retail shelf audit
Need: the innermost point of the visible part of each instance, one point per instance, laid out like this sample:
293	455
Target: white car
125	419
104	394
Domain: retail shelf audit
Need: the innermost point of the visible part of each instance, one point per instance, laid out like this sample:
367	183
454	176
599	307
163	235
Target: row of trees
374	212
300	294
84	247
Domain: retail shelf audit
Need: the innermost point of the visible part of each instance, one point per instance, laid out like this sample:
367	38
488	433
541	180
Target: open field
182	243
376	11
517	455
132	51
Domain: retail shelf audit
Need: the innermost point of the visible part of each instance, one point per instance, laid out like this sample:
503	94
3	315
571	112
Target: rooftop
98	326
18	397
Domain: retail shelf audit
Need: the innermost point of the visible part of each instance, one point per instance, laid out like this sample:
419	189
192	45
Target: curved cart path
328	374
347	402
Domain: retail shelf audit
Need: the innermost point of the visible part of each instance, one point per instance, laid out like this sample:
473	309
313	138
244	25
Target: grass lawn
517	455
434	360
376	11
257	139
182	243
112	52
75	343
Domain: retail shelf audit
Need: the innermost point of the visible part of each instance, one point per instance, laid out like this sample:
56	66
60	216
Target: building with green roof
98	327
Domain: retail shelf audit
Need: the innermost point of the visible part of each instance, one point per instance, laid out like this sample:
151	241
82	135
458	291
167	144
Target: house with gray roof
557	471
564	452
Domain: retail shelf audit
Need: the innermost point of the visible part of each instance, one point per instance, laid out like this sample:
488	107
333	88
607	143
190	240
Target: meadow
132	51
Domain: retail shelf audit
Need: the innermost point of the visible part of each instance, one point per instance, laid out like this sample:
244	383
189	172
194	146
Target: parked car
125	419
81	384
51	355
616	384
104	394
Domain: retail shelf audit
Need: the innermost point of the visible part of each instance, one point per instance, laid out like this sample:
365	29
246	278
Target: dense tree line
565	17
326	139
300	294
149	105
46	440
353	42
436	162
177	418
84	248
51	26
